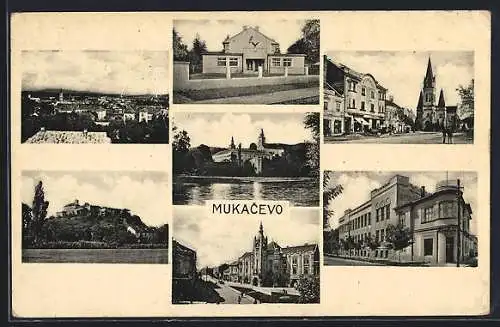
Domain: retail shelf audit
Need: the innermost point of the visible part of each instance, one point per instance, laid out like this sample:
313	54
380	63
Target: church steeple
262	140
261	229
441	103
233	146
429	76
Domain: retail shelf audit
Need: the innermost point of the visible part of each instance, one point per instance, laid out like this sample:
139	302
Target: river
301	192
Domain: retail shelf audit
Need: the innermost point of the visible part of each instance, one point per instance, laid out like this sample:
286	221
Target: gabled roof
227	40
272	246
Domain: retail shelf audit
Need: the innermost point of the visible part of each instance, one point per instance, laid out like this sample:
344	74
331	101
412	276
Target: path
410	138
334	261
267	98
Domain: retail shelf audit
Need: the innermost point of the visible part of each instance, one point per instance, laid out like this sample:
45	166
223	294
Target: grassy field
207	94
95	255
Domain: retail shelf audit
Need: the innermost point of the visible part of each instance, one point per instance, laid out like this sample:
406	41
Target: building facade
253	154
269	264
430	217
184	272
248	50
362	107
431	116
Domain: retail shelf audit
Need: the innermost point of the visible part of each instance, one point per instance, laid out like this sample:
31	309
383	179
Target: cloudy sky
128	72
357	187
144	193
220	239
214	32
402	73
216	129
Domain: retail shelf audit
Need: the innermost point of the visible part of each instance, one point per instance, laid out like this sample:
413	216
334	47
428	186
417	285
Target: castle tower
232	146
262	140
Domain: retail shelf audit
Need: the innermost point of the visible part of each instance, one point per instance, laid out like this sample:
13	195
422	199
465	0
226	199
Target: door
450	244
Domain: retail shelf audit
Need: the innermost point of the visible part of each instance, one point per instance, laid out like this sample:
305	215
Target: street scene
246	61
416	219
366	100
270	267
94	97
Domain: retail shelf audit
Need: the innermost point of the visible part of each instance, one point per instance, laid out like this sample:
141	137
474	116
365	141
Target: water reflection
300	193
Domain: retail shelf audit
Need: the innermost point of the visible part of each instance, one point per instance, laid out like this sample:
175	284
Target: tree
348	244
311	122
330	192
180	148
195	54
372	243
179	48
399	237
308	44
308	287
466	93
39	211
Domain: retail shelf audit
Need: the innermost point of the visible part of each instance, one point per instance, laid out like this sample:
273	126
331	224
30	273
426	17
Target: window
447	209
221	61
427	214
363	91
377	235
382	235
353	103
378	215
337	105
369	218
402	219
372	95
233	62
428	246
372	107
294	265
325	105
352	86
362	105
388	211
382	213
276	62
306	264
287	62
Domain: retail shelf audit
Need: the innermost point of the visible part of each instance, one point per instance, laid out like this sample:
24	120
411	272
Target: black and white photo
92	96
399	97
418	219
252	261
246	61
243	156
94	217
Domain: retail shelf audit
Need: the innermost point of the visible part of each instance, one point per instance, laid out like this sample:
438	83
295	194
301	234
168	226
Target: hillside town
81	117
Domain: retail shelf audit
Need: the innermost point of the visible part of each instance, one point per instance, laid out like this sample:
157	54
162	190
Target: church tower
426	107
259	254
429	88
232	146
262	140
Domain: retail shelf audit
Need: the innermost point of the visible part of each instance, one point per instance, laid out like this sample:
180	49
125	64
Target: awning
361	121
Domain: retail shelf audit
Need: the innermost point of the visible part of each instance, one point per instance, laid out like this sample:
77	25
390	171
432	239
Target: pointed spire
441	103
232	143
429	76
420	101
261	229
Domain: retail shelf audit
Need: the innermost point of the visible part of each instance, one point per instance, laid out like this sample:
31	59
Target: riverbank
239	179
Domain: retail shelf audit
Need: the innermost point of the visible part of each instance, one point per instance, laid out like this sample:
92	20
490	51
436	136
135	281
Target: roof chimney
245	27
422	191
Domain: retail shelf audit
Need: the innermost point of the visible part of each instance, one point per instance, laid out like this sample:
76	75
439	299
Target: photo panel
94	97
246	61
368	100
246	156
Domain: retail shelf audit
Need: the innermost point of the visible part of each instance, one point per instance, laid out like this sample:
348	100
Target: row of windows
352	86
338	105
352	105
233	61
445	209
379	236
276	62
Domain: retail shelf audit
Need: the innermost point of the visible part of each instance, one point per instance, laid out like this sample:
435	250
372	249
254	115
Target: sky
357	187
127	72
144	193
402	73
216	129
214	32
220	239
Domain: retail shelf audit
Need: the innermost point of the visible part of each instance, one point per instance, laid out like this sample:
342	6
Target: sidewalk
267	98
385	262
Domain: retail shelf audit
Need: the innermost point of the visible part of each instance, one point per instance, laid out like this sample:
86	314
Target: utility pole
458	222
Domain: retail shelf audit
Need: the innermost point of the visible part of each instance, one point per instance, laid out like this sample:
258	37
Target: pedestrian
239	299
443	129
450	136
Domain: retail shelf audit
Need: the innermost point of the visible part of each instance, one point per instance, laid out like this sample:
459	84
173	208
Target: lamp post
458	221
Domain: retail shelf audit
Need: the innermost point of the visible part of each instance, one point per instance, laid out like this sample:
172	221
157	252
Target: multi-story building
393	115
432	117
363	98
269	264
248	50
184	272
334	109
430	217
